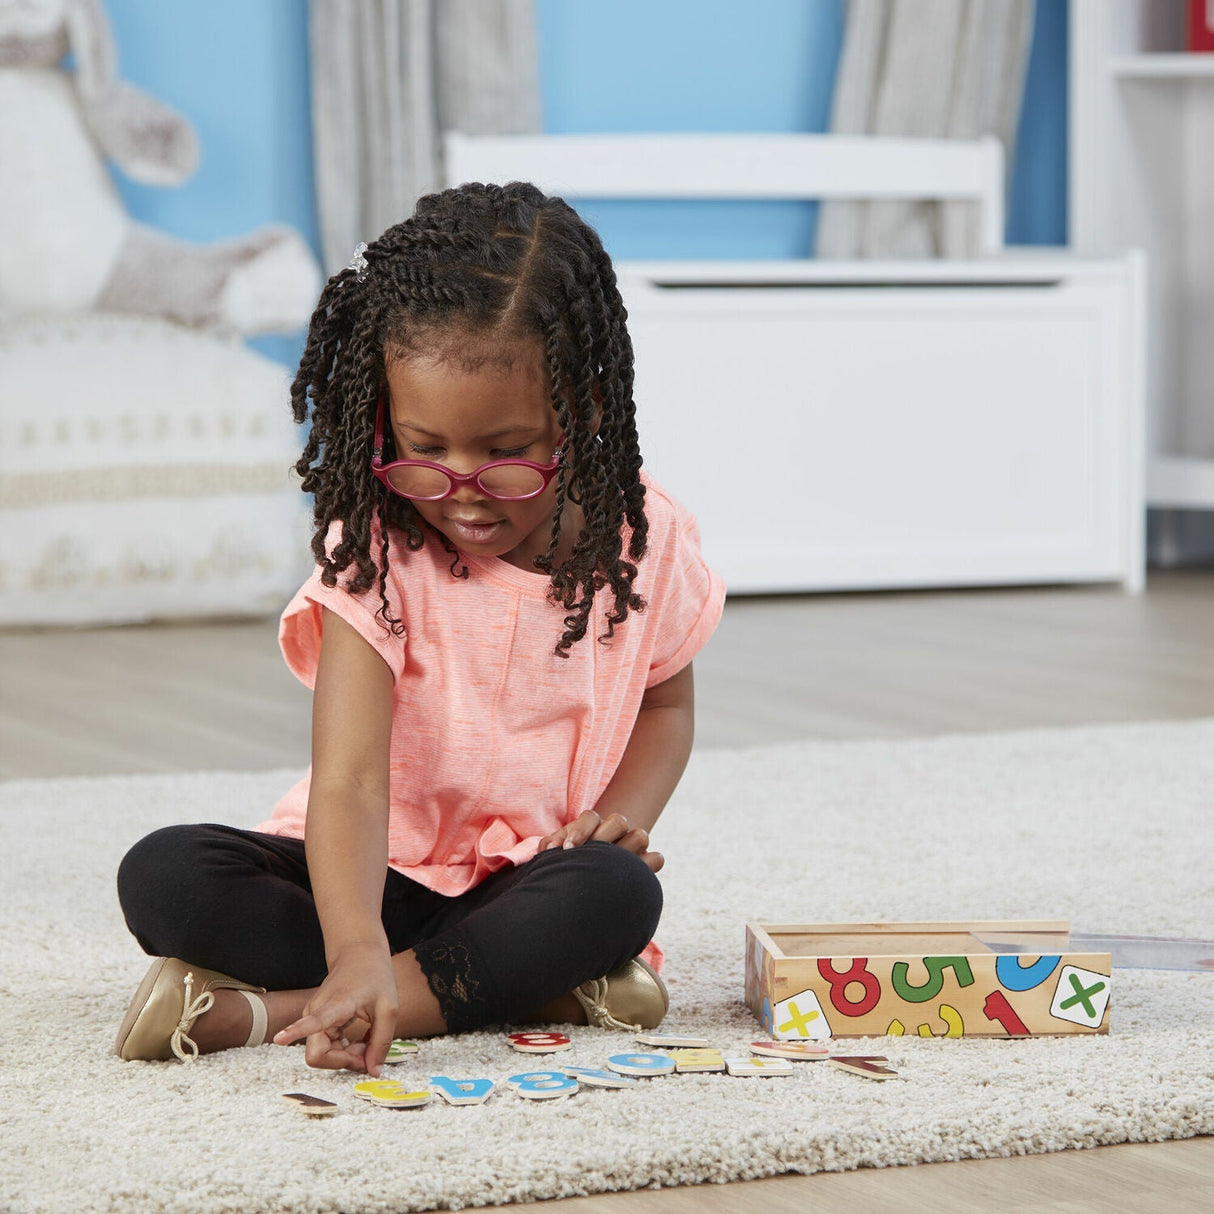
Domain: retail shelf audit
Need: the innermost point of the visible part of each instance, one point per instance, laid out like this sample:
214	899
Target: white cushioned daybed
145	473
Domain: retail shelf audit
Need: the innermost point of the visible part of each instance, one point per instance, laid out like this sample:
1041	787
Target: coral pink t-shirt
496	741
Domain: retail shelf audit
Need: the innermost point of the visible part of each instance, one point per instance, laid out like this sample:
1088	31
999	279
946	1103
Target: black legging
241	902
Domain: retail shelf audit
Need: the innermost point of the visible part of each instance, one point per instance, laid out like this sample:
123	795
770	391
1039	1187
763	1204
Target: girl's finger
612	828
379	1039
635	840
577	833
654	859
322	1053
304	1027
317	1020
553	840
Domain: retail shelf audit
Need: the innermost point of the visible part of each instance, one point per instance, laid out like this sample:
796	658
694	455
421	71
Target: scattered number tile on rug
543	1085
641	1064
763	1067
462	1091
622	1070
399	1050
312	1105
692	1060
868	1065
669	1040
539	1043
794	1051
594	1078
389	1094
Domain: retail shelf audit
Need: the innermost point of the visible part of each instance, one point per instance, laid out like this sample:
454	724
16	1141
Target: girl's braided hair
481	268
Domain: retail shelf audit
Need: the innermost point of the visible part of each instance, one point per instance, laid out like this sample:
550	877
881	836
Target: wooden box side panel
901	939
982	994
756	953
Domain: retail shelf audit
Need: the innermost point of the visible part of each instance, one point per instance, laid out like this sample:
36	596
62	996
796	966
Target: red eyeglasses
420	480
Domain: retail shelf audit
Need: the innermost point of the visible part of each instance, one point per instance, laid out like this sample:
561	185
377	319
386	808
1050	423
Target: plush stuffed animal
67	243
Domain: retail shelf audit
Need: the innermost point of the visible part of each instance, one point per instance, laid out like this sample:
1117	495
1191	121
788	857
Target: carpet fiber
1109	827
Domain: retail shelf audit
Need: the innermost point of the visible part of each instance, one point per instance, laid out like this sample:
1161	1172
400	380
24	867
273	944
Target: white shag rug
1109	827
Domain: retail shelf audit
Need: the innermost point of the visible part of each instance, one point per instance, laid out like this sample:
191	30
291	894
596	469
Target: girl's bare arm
347	825
346	841
651	766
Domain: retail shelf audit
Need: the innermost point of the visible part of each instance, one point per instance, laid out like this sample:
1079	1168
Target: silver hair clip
358	263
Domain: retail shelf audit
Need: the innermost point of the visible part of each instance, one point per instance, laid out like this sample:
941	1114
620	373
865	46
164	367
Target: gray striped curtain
929	68
388	77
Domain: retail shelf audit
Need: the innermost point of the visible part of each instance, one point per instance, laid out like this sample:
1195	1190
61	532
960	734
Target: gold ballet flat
632	997
171	997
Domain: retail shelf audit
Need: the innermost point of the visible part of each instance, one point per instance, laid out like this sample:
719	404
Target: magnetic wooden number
312	1105
539	1043
462	1091
935	978
640	1064
839	982
868	1065
595	1078
391	1094
764	1067
698	1060
540	1085
399	1050
803	1050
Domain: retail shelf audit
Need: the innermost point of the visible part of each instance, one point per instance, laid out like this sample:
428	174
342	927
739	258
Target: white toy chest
845	426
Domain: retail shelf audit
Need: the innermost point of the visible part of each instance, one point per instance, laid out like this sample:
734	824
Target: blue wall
768	65
239	71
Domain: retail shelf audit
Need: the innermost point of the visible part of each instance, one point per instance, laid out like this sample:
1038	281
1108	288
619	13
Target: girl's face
442	412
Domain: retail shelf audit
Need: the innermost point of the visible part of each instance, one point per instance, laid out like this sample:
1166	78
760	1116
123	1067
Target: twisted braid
481	261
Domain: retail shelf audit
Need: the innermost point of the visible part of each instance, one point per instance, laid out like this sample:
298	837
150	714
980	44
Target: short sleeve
687	597
299	630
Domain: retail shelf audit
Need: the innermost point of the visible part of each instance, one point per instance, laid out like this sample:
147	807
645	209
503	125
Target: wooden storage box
985	979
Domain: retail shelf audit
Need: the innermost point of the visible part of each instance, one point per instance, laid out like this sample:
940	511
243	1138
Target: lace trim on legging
462	997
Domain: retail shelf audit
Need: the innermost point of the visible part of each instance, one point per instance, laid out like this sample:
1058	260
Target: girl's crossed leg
511	949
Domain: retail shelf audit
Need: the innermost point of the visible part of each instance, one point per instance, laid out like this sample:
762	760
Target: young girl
499	634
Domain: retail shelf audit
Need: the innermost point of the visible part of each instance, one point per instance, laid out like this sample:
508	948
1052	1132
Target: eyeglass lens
502	480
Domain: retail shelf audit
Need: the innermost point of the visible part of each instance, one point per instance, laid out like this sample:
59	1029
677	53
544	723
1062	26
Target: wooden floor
217	696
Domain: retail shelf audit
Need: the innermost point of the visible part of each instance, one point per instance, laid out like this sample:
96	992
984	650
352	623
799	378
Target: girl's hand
360	990
612	829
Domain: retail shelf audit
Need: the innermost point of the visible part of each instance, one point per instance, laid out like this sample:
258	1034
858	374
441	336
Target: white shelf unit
1142	176
1175	66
